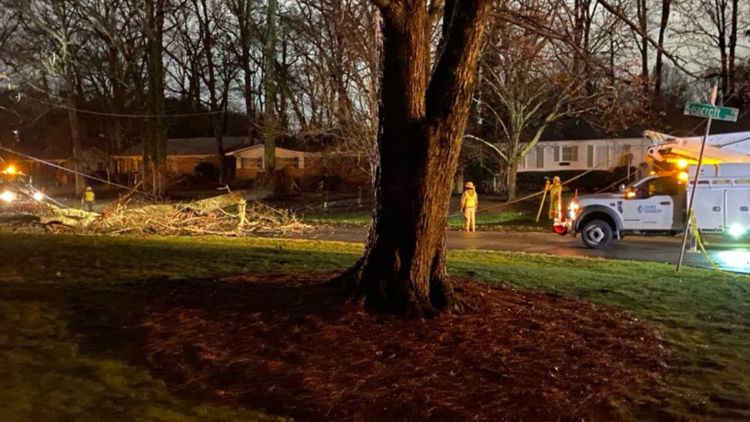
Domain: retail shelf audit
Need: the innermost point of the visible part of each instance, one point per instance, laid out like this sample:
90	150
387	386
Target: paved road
730	256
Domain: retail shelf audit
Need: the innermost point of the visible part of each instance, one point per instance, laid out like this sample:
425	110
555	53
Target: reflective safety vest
469	200
88	196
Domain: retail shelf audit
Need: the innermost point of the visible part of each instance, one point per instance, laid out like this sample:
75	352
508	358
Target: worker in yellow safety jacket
555	198
87	200
469	204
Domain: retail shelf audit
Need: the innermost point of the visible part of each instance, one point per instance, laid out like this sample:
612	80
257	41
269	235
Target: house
589	154
342	169
183	154
251	160
247	161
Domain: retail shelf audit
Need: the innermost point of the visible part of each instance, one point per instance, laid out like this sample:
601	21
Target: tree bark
420	130
270	87
643	47
204	21
511	178
156	144
75	137
732	53
658	67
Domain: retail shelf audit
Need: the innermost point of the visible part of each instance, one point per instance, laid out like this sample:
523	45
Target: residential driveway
731	256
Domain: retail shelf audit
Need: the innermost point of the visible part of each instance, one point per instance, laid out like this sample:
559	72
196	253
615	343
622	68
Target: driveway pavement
731	256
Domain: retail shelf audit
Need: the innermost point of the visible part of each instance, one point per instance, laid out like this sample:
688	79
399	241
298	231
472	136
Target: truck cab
653	205
17	194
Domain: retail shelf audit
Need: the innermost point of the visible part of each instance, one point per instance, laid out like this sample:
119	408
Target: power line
130	116
77	173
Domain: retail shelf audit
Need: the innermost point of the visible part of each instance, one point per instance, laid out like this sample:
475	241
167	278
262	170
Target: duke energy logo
648	209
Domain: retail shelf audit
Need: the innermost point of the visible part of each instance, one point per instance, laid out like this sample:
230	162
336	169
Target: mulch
294	346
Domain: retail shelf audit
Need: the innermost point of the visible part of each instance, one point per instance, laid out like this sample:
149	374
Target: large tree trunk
75	137
658	67
270	87
420	131
511	177
643	26
732	70
156	144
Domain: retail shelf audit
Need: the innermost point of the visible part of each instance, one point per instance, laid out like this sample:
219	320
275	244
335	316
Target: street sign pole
695	183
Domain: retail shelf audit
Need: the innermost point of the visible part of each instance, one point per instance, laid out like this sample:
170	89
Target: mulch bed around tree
295	347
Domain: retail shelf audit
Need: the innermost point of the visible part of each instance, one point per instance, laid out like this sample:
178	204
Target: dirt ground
295	347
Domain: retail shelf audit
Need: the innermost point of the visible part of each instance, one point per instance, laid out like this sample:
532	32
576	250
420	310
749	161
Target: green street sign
728	114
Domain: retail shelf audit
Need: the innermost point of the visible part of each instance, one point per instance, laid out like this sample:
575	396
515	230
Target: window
658	186
567	153
540	157
602	156
249	163
590	156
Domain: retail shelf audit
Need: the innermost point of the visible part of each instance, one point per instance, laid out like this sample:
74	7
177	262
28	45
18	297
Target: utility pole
688	216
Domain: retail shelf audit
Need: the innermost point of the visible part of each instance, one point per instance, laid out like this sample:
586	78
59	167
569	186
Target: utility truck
658	204
17	194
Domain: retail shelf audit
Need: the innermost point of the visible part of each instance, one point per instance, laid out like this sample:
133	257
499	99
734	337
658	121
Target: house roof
278	149
194	146
615	140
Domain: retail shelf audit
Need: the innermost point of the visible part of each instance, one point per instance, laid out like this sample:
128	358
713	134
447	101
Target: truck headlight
573	210
8	196
736	230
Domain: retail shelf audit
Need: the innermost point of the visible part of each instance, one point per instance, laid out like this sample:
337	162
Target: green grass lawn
487	221
492	215
58	295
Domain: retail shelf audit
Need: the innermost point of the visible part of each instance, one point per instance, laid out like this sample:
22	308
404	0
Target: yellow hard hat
469	185
88	187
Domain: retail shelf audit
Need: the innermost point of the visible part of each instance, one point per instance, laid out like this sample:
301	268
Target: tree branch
452	81
620	15
488	144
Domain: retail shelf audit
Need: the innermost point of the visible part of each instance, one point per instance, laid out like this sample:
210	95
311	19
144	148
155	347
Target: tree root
388	294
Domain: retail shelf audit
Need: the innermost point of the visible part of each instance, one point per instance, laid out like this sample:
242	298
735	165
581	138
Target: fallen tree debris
225	215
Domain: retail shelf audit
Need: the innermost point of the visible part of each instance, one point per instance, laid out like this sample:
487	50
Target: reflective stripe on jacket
468	200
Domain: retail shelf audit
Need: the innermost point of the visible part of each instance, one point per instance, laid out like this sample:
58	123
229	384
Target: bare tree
331	79
211	22
713	25
246	37
155	141
659	66
270	86
57	27
529	80
424	109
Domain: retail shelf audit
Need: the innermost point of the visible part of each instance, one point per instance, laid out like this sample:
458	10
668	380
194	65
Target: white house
251	159
599	154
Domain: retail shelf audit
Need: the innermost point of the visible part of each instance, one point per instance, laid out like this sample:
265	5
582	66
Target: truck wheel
596	234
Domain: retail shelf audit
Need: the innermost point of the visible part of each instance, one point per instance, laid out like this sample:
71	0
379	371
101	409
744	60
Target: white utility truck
658	205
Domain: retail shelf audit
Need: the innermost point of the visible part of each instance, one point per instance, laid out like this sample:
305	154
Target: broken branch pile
225	215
